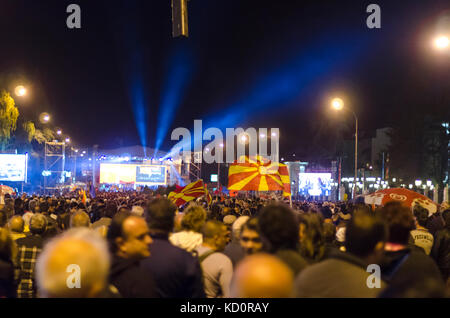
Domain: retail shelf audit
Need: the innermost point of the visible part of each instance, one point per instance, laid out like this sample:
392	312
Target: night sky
122	78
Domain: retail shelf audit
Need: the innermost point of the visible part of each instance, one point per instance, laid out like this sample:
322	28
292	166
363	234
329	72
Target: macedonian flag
259	174
188	193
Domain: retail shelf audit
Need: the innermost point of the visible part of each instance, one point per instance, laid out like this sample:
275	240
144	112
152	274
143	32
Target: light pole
338	104
218	169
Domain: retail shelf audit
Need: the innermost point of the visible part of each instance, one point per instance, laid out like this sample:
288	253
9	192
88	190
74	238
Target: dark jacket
341	275
441	251
292	259
8	285
410	271
176	272
130	280
435	223
234	252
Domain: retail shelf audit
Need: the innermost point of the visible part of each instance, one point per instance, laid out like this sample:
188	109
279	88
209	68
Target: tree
30	129
8	118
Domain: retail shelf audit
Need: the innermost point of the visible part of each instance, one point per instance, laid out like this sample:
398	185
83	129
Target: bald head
262	276
81	251
16	224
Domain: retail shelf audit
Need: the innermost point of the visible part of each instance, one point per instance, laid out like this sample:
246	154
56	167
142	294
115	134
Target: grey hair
38	223
82	247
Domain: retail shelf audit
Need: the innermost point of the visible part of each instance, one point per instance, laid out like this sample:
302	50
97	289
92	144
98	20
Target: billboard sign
13	167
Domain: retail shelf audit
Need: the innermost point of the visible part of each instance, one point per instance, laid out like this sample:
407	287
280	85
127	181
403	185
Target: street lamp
20	91
441	42
44	118
67	140
338	104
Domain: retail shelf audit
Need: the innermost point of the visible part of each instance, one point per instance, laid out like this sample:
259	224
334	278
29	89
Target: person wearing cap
233	249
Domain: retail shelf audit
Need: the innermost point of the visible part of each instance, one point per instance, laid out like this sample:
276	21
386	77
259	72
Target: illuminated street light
44	118
67	140
338	104
441	42
59	132
20	90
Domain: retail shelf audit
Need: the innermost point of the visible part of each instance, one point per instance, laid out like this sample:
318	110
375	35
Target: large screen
13	167
112	173
314	184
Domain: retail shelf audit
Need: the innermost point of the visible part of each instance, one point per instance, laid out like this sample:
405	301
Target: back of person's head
311	236
262	276
421	215
16	224
7	248
79	250
329	232
364	232
137	210
115	229
18	206
194	218
161	215
80	219
212	229
110	210
43	207
399	221
279	227
38	224
326	212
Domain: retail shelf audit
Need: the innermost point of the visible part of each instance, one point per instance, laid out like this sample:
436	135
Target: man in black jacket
409	272
129	241
177	273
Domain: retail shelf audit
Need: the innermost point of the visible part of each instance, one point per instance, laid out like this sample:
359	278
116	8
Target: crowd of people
140	245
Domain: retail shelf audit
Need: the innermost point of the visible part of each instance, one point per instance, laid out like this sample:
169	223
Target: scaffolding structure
54	165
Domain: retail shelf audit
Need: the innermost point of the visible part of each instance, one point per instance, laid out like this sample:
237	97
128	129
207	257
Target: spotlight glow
441	42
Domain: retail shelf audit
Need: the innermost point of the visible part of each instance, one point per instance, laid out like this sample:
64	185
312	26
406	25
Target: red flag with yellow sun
182	195
259	174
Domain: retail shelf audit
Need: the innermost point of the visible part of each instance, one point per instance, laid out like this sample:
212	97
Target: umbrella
406	197
6	190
